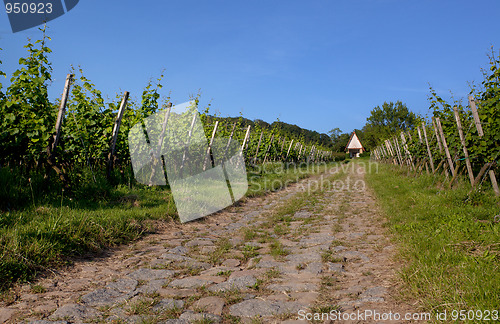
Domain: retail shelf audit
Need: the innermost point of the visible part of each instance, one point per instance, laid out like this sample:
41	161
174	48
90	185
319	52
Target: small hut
354	146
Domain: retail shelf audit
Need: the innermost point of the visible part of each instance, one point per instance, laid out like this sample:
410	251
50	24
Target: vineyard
83	140
457	140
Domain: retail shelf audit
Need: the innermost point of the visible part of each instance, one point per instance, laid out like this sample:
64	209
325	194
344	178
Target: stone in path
262	308
74	312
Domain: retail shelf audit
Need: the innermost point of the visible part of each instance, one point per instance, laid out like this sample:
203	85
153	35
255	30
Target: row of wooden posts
313	155
397	152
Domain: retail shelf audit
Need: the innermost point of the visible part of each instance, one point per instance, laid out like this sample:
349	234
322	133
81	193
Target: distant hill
292	131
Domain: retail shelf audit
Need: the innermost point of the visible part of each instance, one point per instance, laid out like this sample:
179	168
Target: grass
222	248
38	289
450	242
327	256
249	251
35	239
278	250
272	273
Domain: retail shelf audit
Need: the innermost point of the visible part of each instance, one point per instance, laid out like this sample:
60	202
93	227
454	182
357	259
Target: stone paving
265	260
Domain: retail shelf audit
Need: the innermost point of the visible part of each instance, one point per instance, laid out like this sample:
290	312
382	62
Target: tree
387	121
334	134
339	139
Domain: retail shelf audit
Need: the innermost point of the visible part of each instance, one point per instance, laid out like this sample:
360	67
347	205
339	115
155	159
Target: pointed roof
354	142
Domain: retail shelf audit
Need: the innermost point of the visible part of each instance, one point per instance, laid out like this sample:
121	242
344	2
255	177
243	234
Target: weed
249	234
301	266
272	273
327	256
250	251
38	289
228	318
223	246
328	281
277	250
225	273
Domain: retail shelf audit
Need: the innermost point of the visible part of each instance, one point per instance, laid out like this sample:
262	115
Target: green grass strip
450	244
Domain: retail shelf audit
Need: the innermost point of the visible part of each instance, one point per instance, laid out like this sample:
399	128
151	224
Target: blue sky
319	64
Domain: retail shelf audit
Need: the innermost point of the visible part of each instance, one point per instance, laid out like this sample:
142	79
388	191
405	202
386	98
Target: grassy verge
47	230
450	242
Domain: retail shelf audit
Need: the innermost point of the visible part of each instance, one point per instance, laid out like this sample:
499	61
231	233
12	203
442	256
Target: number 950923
32	8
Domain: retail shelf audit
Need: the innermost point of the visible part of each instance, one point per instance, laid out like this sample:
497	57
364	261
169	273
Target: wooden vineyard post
156	156
384	152
268	148
398	151
393	153
51	148
247	134
404	154
116	130
431	160
405	145
258	146
494	182
61	112
477	121
421	142
438	140
282	146
419	135
311	154
437	135
209	148
464	147
443	139
190	133
297	145
386	149
300	152
229	140
389	150
288	152
224	157
475	114
247	145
